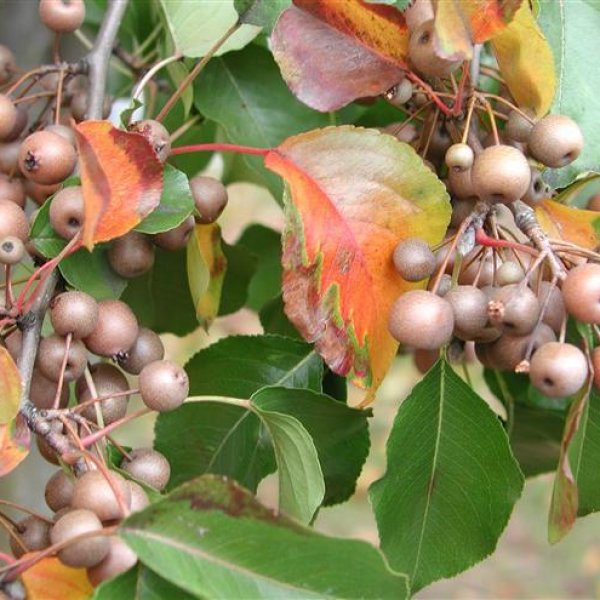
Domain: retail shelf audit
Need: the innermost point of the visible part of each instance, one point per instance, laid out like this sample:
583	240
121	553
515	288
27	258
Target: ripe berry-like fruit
83	553
93	492
8	116
414	259
116	329
419	12
63	131
33	534
66	212
157	135
149	466
538	189
461	185
139	498
59	491
555	140
518	127
13	221
581	293
7	64
12	189
509	272
147	348
177	238
460	157
500	174
400	94
62	16
421	319
47	158
50	357
163	385
107	380
515	309
470	306
558	369
554	311
421	50
9	158
74	312
12	250
43	391
131	255
210	197
39	193
120	558
79	105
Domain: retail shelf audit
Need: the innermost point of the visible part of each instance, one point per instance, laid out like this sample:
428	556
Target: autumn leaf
10	387
121	178
15	442
49	579
353	195
366	46
526	62
575	225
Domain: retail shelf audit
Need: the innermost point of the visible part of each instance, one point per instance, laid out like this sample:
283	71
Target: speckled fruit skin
163	385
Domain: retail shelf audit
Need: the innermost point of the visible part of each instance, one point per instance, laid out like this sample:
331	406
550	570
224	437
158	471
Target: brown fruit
421	50
47	158
13	221
515	309
518	128
74	312
12	250
555	140
554	311
67	212
538	189
19	126
210	197
116	329
79	105
581	293
12	190
469	305
9	158
139	498
33	534
8	116
93	492
400	94
148	466
120	558
509	272
163	385
461	184
50	357
7	64
131	255
157	135
59	491
459	157
147	348
62	16
414	259
39	193
558	370
43	391
13	343
177	238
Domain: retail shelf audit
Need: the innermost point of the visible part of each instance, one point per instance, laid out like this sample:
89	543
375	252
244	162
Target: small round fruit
460	157
210	197
538	189
13	221
50	357
94	492
33	534
509	272
12	250
9	158
555	140
12	189
554	308
461	184
417	13
581	293
422	320
47	158
8	116
558	369
400	94
120	558
176	238
8	66
470	307
163	385
79	105
62	16
59	491
43	391
414	259
148	466
116	329
131	255
74	312
421	50
66	212
500	174
157	135
518	128
64	131
86	552
139	498
515	309
39	193
147	348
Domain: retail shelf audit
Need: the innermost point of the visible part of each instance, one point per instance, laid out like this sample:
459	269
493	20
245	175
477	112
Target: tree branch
99	57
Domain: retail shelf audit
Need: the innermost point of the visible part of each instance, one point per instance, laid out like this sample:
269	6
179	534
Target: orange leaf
575	225
366	46
353	195
526	62
121	178
15	441
461	23
10	387
51	580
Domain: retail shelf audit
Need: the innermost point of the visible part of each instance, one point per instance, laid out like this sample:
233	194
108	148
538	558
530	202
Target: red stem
88	440
222	148
7	558
482	238
430	92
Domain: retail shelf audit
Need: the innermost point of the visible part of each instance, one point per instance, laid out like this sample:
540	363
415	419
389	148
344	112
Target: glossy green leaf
447	449
241	266
245	94
176	203
178	72
215	540
301	484
274	320
262	13
239	366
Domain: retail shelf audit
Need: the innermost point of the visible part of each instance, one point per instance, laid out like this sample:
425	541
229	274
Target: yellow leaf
10	387
574	225
51	580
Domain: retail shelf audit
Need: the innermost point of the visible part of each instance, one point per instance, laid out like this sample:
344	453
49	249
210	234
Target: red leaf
10	387
332	52
355	193
49	579
121	178
15	441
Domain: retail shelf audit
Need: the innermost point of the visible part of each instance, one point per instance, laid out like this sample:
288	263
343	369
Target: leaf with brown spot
10	387
575	225
366	46
49	579
15	442
121	178
353	195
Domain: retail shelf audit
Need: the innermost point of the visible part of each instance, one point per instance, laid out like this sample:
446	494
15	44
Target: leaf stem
220	148
224	399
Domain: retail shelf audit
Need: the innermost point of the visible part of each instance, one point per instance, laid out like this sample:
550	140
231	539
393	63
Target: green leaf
241	266
214	437
216	541
239	366
178	72
262	13
340	434
245	94
301	485
273	319
451	481
197	26
176	203
571	28
399	4
201	133
125	116
265	244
